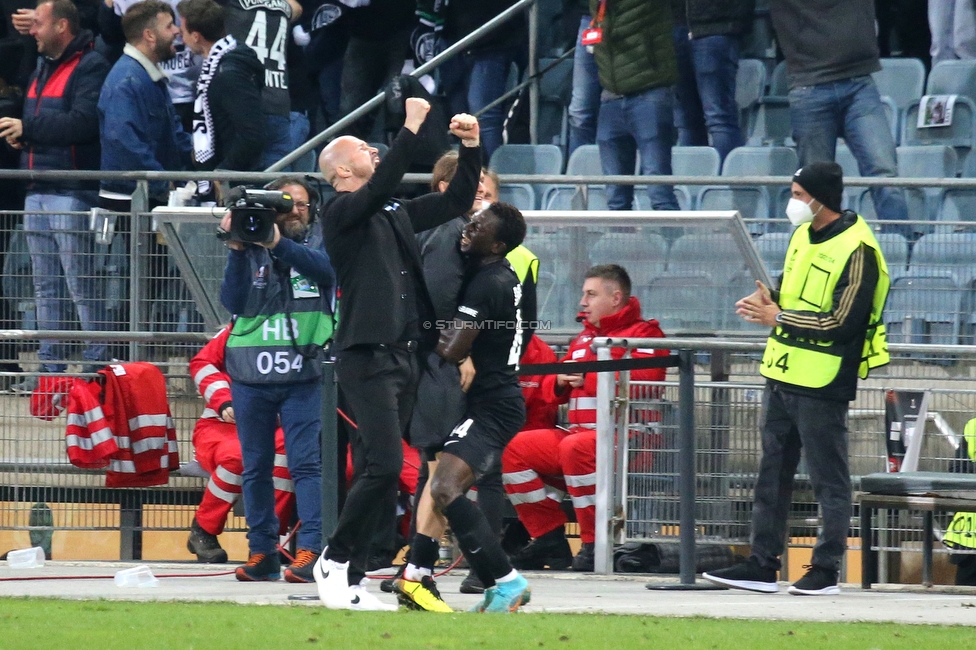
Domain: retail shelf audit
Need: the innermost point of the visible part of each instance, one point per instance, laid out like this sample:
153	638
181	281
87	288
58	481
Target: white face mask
800	212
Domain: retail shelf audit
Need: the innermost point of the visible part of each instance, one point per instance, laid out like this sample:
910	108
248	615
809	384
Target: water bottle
26	558
102	223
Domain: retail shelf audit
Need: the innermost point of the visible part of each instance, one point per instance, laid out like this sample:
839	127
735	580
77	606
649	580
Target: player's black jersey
262	25
490	301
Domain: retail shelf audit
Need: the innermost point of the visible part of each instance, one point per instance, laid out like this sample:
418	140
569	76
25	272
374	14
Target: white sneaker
332	581
363	601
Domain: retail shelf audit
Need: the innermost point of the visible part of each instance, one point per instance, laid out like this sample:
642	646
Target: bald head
347	163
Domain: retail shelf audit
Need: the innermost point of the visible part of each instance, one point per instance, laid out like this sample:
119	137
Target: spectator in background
59	131
262	25
636	61
953	27
302	92
707	37
473	80
224	136
379	37
831	50
181	71
328	38
584	103
139	126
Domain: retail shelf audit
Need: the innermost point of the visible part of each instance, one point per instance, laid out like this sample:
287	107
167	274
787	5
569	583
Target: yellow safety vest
809	276
524	262
961	531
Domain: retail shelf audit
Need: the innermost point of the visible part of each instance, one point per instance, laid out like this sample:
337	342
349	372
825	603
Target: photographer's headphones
314	195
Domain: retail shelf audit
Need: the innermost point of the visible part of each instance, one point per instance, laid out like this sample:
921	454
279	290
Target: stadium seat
555	87
924	309
694	161
751	202
521	195
958	135
528	159
571	197
901	79
945	254
956	77
894	247
956	205
688	303
937	161
556	291
772	249
750	86
644	254
772	124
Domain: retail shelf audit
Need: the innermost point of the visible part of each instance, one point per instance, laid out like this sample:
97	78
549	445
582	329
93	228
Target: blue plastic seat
694	161
902	79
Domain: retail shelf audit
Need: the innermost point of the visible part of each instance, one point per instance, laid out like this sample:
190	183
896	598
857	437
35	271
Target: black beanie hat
824	181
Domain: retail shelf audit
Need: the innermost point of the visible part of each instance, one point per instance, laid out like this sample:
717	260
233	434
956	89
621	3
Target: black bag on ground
643	557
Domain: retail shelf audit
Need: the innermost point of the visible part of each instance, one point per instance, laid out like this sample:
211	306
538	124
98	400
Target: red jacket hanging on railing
125	426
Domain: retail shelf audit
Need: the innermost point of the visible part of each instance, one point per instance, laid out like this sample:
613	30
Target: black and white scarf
203	128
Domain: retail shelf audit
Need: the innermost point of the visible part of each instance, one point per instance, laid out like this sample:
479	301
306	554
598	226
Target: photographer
280	292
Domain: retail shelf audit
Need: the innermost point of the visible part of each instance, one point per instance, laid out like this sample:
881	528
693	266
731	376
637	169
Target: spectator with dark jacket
636	62
707	37
59	131
225	134
139	126
479	76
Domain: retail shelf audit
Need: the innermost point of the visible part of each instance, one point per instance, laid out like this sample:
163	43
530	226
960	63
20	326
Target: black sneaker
204	545
550	550
472	584
585	559
259	568
745	575
386	586
300	570
817	582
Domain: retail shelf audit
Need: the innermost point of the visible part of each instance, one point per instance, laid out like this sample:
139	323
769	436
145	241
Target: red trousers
539	466
219	452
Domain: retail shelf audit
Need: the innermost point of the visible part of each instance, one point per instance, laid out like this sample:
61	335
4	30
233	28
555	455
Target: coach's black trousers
379	385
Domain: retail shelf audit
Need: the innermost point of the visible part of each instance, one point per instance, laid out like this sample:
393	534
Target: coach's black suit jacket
369	236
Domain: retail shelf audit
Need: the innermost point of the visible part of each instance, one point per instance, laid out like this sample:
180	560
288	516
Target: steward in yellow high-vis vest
826	331
960	534
806	348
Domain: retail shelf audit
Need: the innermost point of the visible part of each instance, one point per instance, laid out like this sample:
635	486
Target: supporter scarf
203	129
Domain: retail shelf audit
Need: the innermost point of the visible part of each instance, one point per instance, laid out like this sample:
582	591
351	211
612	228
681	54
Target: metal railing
702	493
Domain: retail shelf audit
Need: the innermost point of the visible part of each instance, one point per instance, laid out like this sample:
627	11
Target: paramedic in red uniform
539	466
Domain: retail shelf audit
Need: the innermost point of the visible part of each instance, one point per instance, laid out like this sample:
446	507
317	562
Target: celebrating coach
386	322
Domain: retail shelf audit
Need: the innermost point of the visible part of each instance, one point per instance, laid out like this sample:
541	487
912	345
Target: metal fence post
686	463
138	264
603	542
330	481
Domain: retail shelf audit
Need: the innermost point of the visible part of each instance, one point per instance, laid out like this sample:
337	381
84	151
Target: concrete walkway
551	592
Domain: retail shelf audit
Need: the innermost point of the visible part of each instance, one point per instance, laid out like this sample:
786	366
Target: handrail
29	175
704	344
375	102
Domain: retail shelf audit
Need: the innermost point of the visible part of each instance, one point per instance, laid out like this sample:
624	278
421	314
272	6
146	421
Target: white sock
414	573
508	577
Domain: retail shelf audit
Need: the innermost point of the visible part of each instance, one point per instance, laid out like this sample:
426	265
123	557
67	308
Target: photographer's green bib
810	275
268	347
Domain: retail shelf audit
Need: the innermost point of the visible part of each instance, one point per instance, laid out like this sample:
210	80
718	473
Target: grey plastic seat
750	86
694	161
521	195
772	125
956	205
902	79
894	247
925	309
772	249
952	78
958	135
751	202
689	303
571	197
557	296
528	159
643	253
945	254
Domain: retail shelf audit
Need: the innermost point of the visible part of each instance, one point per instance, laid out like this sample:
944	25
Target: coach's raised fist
417	109
466	127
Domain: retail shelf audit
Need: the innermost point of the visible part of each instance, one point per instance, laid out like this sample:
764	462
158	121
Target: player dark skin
453	476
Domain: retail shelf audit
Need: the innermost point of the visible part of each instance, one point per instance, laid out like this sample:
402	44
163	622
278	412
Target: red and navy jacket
61	113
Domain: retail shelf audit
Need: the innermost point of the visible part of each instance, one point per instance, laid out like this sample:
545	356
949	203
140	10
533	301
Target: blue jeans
256	409
584	105
277	142
474	80
852	109
298	132
642	122
705	93
62	245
